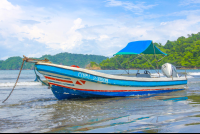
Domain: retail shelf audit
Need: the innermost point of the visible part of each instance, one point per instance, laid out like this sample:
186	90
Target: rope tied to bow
16	81
27	60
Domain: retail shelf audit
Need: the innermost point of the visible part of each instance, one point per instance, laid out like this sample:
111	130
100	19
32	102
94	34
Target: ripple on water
35	109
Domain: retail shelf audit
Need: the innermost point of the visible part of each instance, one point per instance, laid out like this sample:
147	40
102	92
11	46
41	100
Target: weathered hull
69	82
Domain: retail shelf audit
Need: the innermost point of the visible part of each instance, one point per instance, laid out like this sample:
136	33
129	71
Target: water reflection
153	113
37	110
118	114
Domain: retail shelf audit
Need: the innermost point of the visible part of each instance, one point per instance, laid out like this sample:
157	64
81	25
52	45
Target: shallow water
33	108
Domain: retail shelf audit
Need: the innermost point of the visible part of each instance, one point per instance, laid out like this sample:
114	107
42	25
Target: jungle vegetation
182	52
14	63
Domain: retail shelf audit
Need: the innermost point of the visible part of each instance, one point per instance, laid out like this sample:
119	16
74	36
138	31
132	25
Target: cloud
119	34
171	30
185	13
7	10
189	2
31	22
137	8
40	31
55	32
163	23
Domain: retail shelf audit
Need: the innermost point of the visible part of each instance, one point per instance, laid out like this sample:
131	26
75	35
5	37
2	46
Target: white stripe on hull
93	86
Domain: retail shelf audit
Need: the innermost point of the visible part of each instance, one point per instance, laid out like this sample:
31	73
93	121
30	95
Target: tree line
181	52
14	63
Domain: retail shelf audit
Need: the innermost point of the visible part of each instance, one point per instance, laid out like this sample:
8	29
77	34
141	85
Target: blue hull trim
93	78
62	93
65	93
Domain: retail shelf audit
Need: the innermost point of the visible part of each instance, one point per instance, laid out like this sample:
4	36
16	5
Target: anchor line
16	81
27	60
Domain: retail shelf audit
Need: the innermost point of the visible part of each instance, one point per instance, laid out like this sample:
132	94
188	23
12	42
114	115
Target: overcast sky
101	27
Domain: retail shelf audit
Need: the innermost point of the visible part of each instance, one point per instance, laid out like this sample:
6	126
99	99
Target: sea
32	108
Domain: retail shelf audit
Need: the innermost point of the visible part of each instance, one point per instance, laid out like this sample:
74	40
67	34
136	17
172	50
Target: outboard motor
169	70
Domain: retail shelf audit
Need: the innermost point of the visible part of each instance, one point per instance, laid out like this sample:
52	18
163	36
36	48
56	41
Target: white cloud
176	28
8	11
185	13
4	58
189	2
58	33
61	32
103	37
8	15
137	8
114	3
163	23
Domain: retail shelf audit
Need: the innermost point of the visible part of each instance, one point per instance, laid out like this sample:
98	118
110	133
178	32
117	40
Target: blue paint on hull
65	93
93	78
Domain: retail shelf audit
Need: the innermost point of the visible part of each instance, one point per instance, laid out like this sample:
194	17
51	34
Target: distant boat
72	82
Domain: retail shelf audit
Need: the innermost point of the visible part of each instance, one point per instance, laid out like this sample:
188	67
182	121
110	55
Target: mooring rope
16	81
27	60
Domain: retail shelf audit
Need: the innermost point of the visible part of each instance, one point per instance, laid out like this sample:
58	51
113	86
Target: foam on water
194	82
194	73
190	77
10	84
32	108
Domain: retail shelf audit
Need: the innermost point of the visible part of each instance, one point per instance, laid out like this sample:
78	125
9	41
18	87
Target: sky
101	27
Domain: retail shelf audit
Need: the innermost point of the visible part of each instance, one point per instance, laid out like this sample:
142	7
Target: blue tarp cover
138	47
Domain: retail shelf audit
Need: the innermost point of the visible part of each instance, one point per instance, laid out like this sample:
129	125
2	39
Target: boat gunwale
110	76
109	83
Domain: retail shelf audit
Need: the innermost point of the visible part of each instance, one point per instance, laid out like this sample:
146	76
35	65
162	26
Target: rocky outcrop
93	66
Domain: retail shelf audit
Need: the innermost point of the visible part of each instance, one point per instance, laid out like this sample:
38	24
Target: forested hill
14	63
182	52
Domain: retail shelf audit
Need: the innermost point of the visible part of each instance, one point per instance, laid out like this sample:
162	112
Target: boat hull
69	82
61	93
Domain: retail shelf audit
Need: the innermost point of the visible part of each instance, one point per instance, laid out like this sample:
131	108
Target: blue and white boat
71	82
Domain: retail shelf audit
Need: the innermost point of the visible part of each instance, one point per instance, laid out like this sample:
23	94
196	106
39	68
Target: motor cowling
169	70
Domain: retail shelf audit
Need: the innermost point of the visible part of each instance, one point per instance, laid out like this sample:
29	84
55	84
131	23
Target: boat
68	82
